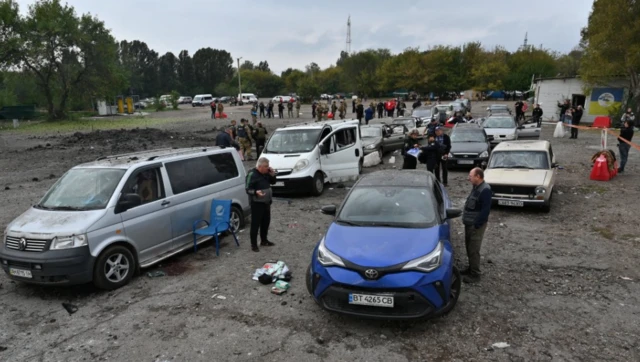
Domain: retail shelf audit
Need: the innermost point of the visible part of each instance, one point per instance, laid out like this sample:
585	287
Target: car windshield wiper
526	167
350	223
67	208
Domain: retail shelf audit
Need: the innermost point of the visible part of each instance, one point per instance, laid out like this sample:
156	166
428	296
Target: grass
604	232
83	124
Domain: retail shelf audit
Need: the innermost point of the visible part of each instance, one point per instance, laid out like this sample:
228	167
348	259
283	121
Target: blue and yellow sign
605	100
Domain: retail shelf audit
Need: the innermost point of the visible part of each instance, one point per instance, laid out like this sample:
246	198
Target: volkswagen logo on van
22	244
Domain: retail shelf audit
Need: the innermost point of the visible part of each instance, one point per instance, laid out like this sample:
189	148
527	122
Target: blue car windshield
404	207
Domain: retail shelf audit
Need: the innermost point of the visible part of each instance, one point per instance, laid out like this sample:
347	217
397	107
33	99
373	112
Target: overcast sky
294	33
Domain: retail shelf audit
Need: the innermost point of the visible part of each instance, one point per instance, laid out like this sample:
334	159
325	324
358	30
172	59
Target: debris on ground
2	348
276	271
156	274
392	160
280	288
500	345
70	308
371	160
625	278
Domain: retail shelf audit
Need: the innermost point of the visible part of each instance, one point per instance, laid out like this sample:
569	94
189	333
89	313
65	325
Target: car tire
107	273
547	205
308	280
236	219
317	188
380	153
454	292
360	166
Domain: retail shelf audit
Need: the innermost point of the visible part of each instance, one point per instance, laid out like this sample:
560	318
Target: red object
223	115
525	106
449	124
600	170
330	115
602	122
614	173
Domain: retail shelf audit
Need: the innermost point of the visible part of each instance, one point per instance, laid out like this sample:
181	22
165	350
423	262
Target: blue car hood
380	246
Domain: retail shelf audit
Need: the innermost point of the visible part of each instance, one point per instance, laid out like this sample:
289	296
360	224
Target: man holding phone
258	186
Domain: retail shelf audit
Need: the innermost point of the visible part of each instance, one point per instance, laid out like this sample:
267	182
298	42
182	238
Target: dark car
470	146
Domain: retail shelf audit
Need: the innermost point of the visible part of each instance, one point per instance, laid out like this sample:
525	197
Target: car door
396	137
529	130
340	155
148	226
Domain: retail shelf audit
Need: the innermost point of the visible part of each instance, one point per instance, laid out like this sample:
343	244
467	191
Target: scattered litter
156	274
293	225
280	288
340	185
222	297
275	271
7	188
501	225
35	179
560	168
70	308
392	159
625	278
500	345
560	192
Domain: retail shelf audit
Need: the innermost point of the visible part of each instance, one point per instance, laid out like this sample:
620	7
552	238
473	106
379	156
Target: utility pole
239	82
349	35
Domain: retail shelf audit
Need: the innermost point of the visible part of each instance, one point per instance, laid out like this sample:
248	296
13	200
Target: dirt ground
553	286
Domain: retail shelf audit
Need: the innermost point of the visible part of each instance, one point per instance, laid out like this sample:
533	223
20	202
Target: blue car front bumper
416	294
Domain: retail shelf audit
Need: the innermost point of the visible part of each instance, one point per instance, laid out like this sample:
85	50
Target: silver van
103	220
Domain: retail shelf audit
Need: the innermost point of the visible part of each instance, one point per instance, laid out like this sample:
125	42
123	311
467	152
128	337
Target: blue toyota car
388	253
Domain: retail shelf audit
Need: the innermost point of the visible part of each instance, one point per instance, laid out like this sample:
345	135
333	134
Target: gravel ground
553	287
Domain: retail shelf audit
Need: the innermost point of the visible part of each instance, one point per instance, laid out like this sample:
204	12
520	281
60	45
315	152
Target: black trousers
380	114
260	220
574	132
261	112
259	146
441	166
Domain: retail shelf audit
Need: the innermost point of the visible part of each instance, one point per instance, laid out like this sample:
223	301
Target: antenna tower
526	35
349	35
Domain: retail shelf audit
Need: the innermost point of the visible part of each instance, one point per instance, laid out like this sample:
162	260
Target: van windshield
82	189
293	141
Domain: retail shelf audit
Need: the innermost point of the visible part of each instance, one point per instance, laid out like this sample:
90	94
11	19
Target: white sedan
501	128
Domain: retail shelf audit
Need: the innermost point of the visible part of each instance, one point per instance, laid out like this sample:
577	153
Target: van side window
345	138
193	173
147	184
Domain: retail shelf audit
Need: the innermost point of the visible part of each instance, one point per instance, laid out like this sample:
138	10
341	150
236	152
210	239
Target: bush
174	99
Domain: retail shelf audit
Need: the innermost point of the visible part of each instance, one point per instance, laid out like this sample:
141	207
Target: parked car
410	123
103	220
498	109
522	174
326	96
458	106
307	155
225	99
284	99
425	114
185	100
247	98
202	100
501	128
387	254
470	146
382	138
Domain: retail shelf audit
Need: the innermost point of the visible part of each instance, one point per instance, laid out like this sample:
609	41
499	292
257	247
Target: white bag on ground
371	160
559	131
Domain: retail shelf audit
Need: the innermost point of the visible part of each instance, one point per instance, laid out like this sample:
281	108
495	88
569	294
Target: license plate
465	162
279	184
371	300
511	203
20	273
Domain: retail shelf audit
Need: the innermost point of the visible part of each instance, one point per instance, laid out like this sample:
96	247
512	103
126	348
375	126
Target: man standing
444	142
577	115
260	137
254	114
298	105
519	112
626	132
314	105
410	162
244	139
234	129
261	109
359	111
629	116
380	109
213	109
258	186
319	110
342	109
270	109
353	105
290	108
537	115
475	217
368	114
334	108
225	139
280	109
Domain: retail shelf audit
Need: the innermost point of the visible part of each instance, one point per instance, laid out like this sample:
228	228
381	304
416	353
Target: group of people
434	154
570	116
242	137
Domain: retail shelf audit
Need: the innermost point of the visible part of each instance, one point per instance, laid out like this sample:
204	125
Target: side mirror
128	201
453	213
554	165
323	149
329	209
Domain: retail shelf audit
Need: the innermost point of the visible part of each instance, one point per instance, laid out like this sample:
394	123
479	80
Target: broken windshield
293	141
535	160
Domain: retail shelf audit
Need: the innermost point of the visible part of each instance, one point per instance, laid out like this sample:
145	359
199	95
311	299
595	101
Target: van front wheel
114	268
318	184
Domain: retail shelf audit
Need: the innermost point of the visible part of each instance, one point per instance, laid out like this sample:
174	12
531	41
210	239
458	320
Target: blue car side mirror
453	213
329	209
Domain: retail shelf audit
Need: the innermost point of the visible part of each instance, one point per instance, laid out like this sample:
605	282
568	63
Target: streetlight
239	83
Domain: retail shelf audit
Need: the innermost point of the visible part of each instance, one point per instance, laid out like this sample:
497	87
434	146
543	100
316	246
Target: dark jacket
432	153
446	144
626	133
577	116
257	181
478	206
537	112
224	140
410	162
359	110
380	107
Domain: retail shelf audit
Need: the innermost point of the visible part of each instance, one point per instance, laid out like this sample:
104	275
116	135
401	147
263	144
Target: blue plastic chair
220	221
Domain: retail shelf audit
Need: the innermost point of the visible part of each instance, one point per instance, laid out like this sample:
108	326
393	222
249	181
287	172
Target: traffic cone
600	170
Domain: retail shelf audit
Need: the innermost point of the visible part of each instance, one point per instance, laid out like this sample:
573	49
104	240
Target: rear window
194	173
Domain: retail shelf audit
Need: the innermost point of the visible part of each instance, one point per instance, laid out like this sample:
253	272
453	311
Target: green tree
308	89
292	78
186	75
175	95
328	80
263	66
612	43
212	67
527	62
168	72
247	65
66	53
360	71
491	71
568	65
141	67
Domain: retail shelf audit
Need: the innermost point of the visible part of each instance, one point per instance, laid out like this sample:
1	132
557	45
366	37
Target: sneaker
267	243
472	278
255	248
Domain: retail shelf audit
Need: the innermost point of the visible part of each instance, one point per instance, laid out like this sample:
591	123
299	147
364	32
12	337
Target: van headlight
301	165
484	154
326	257
370	147
540	190
68	242
428	262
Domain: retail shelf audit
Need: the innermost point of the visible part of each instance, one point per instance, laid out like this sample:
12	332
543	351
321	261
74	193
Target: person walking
290	109
359	111
410	162
475	217
537	115
254	114
319	111
431	153
244	139
298	105
213	109
353	106
334	108
280	110
519	113
261	109
258	186
444	141
368	114
626	132
220	109
380	109
577	115
260	136
225	139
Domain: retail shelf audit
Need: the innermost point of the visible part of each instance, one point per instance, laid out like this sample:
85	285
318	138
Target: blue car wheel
454	292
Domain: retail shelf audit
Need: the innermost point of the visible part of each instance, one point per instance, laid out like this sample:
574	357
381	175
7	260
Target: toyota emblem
371	274
22	244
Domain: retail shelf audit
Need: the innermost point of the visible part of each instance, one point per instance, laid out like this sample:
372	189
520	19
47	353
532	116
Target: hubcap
235	221
319	184
116	268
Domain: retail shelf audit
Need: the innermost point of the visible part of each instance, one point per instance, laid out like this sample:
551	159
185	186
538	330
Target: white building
598	101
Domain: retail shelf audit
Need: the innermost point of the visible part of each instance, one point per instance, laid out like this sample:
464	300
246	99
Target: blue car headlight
428	262
326	257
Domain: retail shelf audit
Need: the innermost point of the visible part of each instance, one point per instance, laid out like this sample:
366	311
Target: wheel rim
116	268
234	221
319	184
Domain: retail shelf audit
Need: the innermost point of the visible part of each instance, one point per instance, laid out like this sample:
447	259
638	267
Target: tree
292	78
568	65
491	71
247	65
312	68
168	72
360	70
175	96
527	62
186	75
140	64
212	67
263	66
308	88
343	56
612	43
67	54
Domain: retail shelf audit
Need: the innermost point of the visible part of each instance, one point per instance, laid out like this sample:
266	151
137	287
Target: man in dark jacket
270	109
431	153
258	186
444	142
224	139
353	106
519	112
260	136
261	109
380	108
537	115
359	112
281	109
626	132
475	217
577	115
410	162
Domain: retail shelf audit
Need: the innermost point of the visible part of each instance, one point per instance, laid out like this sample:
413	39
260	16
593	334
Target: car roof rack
183	152
124	155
